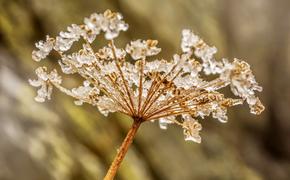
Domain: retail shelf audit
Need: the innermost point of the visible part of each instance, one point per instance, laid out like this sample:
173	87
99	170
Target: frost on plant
122	80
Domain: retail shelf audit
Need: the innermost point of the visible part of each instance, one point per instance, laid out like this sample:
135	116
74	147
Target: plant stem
123	150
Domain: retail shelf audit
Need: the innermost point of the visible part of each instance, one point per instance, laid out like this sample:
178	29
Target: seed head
169	91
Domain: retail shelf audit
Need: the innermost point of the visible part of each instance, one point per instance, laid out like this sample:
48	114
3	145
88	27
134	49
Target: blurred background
58	140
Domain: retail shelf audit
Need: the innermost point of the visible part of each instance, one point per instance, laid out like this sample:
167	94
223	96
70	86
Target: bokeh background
58	140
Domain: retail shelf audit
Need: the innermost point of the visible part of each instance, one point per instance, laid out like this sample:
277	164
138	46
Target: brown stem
123	150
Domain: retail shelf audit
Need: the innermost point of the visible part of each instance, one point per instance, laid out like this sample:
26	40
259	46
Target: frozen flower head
170	91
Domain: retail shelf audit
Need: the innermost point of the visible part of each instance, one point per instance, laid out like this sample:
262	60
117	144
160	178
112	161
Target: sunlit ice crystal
45	81
191	130
44	48
139	49
130	80
163	122
188	40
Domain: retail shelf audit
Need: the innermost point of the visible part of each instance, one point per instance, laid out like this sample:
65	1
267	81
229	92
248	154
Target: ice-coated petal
106	105
163	122
44	48
188	40
191	130
139	49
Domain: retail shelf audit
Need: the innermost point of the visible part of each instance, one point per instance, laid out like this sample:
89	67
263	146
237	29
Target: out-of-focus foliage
58	140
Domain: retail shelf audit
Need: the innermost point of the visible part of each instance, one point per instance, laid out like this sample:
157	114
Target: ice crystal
110	23
191	129
170	91
45	81
44	48
140	49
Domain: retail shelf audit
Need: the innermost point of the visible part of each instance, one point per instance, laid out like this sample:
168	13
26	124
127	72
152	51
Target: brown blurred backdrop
58	140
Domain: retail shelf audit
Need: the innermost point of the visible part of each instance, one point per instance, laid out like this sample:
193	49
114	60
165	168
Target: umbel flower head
123	80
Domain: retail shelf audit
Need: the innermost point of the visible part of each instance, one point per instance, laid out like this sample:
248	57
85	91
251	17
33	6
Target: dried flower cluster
122	80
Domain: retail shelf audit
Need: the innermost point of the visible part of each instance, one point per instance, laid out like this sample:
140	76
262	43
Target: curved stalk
123	150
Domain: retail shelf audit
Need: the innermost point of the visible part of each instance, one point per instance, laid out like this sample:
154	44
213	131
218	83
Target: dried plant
169	91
